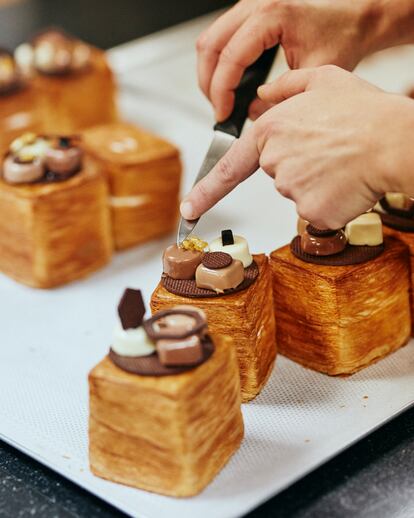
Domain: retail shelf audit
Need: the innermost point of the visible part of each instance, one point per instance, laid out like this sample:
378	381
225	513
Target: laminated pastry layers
77	100
340	319
53	233
169	434
144	173
247	316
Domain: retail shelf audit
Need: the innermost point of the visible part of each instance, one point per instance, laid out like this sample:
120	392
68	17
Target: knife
226	132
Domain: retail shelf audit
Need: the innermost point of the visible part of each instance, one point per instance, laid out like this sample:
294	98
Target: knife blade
226	132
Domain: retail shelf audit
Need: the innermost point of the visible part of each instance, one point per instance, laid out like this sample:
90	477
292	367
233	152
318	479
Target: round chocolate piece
401	213
188	287
351	254
216	260
16	172
65	158
154	335
318	232
151	366
323	244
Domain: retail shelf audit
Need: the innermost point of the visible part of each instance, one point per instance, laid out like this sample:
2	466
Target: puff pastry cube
247	316
340	319
169	434
144	173
53	233
77	100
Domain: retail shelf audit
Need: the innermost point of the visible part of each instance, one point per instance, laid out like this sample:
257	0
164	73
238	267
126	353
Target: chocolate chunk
188	288
169	332
351	254
186	351
180	263
151	365
216	260
314	231
227	237
131	309
323	245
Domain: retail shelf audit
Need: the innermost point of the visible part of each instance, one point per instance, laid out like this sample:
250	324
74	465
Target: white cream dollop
131	342
239	250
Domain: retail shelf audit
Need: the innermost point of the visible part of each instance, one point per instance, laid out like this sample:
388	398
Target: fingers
238	163
212	41
287	85
257	108
257	34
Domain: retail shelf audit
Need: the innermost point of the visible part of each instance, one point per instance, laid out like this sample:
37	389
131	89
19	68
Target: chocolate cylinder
179	263
323	245
22	172
63	160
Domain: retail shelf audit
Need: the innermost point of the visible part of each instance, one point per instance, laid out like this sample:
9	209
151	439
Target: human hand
312	33
332	142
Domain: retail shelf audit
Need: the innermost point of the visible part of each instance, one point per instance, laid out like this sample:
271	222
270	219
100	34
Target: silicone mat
51	339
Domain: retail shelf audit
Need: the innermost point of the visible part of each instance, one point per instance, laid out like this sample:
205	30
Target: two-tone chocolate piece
360	241
33	158
170	342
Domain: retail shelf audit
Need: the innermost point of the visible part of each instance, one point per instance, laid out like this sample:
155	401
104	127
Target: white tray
51	339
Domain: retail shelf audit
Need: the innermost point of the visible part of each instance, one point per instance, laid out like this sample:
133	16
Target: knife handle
254	76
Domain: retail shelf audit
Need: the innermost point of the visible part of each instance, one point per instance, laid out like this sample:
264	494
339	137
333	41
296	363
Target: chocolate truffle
179	263
64	157
326	243
239	249
220	279
16	172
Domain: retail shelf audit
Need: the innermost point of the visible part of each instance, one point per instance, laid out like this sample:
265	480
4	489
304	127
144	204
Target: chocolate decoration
65	158
216	260
314	231
397	223
401	213
227	237
351	254
174	352
168	333
131	309
10	80
188	288
323	244
179	263
151	366
220	280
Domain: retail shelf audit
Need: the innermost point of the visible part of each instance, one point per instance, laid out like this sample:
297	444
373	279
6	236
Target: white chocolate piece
239	250
365	230
398	200
14	172
24	57
131	342
378	208
301	225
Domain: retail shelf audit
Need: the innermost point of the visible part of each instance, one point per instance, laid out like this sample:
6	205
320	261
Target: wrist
386	23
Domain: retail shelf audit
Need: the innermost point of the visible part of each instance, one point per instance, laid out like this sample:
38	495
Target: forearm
388	23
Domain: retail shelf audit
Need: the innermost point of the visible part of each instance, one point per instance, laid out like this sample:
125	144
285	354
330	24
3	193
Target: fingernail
186	209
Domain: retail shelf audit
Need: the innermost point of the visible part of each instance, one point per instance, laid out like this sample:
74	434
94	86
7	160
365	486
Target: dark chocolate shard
227	237
131	309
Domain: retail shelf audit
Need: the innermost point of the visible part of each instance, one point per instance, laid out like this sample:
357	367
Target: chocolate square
227	237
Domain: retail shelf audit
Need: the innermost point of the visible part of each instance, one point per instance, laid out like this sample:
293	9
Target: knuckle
202	42
226	171
283	185
201	191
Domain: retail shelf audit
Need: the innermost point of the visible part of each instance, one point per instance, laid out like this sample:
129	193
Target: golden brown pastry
144	173
54	228
339	319
156	425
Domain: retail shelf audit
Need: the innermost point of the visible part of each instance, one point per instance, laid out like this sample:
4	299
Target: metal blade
219	146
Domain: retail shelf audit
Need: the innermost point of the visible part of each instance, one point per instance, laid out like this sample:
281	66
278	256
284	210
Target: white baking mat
51	339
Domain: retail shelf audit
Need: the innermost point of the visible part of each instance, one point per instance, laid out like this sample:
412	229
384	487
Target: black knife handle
254	76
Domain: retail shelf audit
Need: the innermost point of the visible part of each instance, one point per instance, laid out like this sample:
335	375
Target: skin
333	143
321	133
311	32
